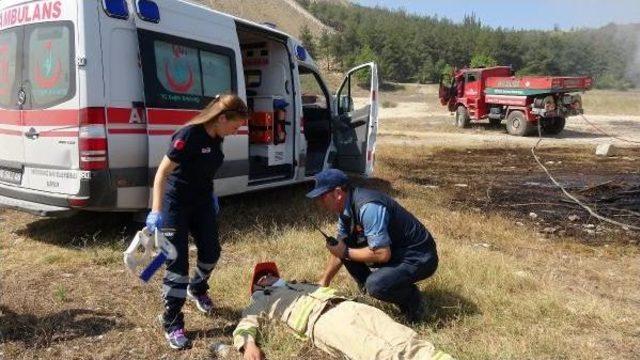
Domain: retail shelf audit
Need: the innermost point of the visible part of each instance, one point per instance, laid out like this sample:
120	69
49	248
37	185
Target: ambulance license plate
10	176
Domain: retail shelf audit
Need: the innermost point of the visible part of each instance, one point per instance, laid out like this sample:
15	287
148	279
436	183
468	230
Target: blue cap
326	181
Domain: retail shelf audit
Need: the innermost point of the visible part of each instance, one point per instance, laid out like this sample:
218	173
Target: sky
523	14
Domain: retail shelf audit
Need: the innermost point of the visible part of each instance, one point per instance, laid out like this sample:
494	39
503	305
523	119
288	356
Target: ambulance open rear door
356	124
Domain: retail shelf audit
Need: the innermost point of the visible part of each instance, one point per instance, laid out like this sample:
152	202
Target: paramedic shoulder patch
179	144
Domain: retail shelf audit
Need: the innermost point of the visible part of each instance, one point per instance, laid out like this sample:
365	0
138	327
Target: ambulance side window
49	58
216	73
184	74
8	67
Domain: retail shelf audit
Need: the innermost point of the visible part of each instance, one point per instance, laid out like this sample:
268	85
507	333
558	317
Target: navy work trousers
195	215
394	283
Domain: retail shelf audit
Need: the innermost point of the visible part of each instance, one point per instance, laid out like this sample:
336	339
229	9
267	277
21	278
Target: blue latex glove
216	205
154	221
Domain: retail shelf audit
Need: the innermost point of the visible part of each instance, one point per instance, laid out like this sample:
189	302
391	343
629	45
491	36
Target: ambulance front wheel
462	119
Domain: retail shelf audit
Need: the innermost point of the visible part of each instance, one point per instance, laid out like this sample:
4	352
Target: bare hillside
286	14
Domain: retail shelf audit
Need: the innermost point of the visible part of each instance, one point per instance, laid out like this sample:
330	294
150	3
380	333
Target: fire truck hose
606	134
573	198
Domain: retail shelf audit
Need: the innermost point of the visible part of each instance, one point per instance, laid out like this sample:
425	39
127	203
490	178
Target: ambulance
91	92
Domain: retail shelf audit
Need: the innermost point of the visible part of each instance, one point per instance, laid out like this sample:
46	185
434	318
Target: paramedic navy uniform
188	207
382	222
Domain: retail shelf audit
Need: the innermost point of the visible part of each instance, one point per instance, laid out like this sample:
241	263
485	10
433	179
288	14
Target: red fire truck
495	94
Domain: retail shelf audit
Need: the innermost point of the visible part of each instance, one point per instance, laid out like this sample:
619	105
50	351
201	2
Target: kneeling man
383	246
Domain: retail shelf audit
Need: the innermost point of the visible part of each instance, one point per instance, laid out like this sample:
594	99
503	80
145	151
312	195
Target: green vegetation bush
412	48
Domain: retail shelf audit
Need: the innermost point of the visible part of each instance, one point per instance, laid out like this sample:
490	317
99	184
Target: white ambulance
91	91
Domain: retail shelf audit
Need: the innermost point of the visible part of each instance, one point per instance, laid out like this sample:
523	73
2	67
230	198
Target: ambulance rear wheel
462	117
553	126
518	125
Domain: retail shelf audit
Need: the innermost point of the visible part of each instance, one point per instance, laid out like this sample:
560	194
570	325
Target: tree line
413	48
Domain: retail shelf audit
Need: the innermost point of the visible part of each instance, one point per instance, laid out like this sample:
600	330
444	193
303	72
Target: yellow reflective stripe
324	293
303	316
246	331
441	356
302	312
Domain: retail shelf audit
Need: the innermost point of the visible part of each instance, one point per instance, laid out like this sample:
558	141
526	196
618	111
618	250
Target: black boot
414	309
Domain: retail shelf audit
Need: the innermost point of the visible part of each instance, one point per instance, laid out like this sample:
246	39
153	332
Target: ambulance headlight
148	11
116	8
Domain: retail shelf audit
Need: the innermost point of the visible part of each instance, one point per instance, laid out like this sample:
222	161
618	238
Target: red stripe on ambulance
10	117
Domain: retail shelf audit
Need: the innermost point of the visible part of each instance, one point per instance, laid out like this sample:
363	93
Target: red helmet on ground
260	270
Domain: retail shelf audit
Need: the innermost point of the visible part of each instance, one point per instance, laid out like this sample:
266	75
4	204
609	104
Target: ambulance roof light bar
116	9
148	11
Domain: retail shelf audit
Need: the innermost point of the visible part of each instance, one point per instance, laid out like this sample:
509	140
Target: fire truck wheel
518	125
553	126
462	117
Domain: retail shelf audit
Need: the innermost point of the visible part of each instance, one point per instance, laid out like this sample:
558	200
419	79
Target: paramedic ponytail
232	106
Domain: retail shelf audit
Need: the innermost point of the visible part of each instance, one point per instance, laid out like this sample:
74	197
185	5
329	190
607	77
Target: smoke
630	35
633	69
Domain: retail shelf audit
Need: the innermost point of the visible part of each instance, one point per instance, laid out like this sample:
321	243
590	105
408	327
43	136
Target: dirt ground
413	116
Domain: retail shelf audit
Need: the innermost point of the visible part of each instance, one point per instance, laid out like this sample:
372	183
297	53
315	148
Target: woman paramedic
183	203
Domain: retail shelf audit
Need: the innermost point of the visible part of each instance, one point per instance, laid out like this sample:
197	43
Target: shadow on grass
82	230
389	87
445	307
224	322
267	210
66	325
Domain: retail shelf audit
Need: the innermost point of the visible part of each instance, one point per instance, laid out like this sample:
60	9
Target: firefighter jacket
297	305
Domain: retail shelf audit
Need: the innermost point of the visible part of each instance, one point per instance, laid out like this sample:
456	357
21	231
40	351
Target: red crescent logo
48	83
176	86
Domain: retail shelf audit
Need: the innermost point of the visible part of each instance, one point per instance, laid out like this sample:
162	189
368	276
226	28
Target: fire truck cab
92	90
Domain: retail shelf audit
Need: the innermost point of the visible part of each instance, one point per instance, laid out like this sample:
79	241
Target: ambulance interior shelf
268	137
268	79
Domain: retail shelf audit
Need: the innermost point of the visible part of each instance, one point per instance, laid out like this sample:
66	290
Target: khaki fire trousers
361	332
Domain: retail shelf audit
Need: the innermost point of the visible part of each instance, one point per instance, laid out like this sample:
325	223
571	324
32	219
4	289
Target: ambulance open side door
183	69
356	123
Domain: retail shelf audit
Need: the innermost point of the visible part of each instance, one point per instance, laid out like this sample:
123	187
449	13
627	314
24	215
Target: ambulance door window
355	109
216	73
50	74
178	70
9	67
184	74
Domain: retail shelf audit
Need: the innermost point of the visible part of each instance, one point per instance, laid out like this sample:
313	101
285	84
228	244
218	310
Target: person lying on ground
336	325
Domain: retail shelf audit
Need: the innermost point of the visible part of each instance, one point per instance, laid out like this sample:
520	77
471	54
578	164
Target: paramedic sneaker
203	302
177	339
